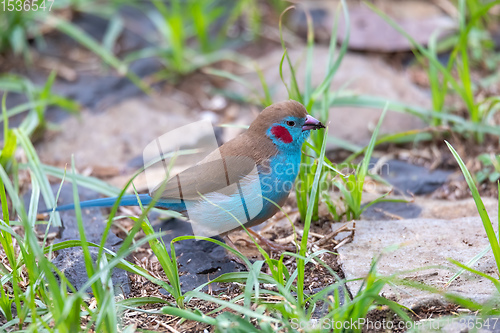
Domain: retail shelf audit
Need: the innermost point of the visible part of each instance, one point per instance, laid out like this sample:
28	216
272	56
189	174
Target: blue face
288	134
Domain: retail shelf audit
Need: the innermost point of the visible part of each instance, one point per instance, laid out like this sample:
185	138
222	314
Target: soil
317	277
395	324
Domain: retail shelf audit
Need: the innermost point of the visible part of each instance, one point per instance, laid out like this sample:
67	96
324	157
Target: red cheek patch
281	133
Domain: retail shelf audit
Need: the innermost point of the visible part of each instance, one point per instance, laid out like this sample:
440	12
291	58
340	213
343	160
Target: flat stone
448	210
368	30
114	137
421	243
420	19
422	207
364	75
449	324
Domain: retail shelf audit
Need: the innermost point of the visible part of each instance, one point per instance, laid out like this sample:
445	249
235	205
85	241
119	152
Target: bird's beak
312	124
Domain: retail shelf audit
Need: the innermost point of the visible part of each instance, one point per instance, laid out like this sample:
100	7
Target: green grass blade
495	281
81	229
240	80
446	73
35	166
331	71
115	28
294	91
35	195
309	57
470	263
363	171
190	315
307	222
459	123
490	232
91	183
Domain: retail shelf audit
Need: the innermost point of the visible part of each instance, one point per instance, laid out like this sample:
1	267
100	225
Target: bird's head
287	124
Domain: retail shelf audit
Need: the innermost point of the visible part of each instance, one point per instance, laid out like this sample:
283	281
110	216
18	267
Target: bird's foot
269	244
230	255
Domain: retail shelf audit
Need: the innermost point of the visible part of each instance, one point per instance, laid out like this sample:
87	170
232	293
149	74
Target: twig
344	228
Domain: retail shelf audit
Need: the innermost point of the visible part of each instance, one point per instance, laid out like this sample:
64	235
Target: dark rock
136	26
319	17
407	178
91	90
99	92
93	25
200	261
95	91
70	261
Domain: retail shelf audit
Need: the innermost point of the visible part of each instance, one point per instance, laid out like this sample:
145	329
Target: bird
245	181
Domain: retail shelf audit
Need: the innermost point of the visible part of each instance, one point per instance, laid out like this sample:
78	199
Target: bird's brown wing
214	174
229	163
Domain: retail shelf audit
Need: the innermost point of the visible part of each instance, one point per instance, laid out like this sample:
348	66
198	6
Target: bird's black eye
290	123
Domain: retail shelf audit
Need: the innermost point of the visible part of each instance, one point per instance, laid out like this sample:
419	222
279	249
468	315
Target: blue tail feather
126	200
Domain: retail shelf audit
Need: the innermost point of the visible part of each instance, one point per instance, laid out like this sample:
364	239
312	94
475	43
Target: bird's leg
273	246
230	254
270	245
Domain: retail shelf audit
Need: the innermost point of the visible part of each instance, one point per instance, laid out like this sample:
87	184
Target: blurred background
101	79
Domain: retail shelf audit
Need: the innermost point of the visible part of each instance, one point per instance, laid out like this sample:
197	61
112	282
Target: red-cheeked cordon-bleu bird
240	182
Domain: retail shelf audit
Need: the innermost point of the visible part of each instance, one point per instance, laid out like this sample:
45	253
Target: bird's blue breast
277	180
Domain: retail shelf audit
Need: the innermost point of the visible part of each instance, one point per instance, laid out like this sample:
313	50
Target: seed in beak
312	124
